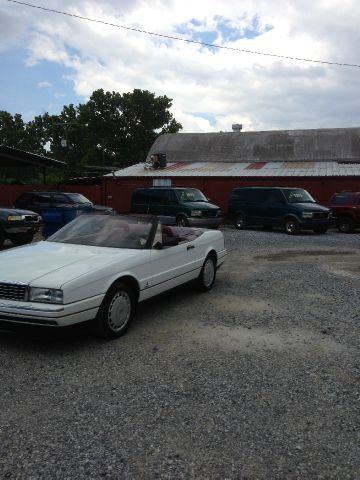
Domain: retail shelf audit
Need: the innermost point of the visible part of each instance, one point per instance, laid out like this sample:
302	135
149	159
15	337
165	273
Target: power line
169	37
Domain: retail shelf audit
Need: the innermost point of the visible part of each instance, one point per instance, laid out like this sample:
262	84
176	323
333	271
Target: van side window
159	197
276	197
140	197
171	197
241	194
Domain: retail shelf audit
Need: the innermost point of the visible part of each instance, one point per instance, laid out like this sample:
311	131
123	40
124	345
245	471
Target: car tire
115	312
291	226
207	275
345	225
2	239
239	221
320	230
182	221
18	240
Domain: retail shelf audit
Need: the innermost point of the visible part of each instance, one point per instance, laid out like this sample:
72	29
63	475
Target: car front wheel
207	276
116	311
345	225
182	221
291	226
21	239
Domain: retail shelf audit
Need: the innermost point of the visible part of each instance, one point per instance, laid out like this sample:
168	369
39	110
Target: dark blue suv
293	209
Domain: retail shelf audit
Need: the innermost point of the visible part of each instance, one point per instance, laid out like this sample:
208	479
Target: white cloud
44	84
261	92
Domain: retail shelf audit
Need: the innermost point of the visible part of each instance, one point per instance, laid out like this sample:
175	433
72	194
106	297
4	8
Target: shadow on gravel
291	254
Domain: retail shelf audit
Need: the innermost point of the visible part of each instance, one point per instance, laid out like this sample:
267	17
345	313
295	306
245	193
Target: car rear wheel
116	311
345	225
21	239
207	276
291	226
2	239
182	221
240	221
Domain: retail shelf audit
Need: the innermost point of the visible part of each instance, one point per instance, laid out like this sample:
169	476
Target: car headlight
196	213
15	218
46	295
307	214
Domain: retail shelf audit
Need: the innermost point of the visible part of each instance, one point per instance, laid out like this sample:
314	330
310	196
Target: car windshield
113	231
190	195
298	195
78	198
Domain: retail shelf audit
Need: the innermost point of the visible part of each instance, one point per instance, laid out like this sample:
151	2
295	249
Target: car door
175	265
277	207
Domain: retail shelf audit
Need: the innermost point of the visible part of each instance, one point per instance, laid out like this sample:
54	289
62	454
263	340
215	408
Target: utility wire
213	45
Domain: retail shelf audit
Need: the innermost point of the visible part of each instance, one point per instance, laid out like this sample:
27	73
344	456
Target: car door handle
189	247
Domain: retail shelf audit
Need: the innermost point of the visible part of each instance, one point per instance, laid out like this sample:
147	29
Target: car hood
16	211
52	264
201	205
312	207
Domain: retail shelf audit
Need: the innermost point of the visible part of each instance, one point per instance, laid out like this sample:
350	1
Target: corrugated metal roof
327	144
244	169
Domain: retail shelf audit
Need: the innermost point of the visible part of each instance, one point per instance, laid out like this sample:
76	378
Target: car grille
321	215
210	213
31	218
13	291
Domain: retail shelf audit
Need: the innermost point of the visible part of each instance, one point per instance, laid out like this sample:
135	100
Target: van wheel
240	221
182	221
291	226
345	225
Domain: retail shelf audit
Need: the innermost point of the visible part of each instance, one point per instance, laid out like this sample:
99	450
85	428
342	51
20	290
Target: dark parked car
293	209
345	207
58	208
181	206
19	226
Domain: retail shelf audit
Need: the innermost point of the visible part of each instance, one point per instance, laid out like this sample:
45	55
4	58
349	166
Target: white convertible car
99	267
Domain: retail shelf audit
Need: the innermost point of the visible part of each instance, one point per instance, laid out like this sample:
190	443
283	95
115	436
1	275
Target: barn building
323	161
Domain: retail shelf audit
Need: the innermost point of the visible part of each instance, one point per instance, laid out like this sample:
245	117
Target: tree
111	129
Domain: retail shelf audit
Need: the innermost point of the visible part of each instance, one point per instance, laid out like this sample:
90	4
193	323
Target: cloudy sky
49	60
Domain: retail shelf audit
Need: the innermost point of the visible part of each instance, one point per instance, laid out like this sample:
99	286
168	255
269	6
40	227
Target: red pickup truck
345	207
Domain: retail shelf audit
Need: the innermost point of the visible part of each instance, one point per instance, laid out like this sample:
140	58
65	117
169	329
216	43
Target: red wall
9	193
117	192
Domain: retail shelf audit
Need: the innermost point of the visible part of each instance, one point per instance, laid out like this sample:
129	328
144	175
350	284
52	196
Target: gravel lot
257	379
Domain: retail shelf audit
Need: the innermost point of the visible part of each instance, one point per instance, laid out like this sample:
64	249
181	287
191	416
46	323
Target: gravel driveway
257	379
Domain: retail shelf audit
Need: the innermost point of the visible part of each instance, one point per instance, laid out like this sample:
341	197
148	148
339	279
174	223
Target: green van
180	206
293	209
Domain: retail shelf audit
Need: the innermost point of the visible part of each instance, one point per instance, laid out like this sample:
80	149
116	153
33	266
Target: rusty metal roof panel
243	169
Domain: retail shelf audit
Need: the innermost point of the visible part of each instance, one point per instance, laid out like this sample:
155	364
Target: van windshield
190	195
298	195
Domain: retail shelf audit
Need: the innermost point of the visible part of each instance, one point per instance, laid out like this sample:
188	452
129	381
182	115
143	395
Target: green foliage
111	129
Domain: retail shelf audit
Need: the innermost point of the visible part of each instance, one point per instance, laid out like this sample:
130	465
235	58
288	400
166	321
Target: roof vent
237	127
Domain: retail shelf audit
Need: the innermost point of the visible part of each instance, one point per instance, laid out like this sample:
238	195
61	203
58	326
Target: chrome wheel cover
208	272
290	226
119	311
240	222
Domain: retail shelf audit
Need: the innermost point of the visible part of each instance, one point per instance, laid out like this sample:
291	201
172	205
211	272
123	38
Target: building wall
117	192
